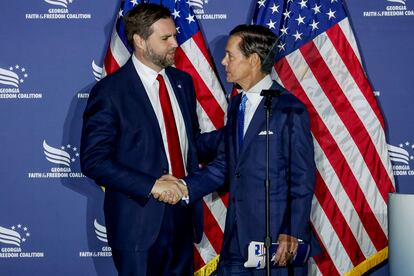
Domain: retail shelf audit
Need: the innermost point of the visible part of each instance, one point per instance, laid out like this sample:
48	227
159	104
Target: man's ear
254	60
138	42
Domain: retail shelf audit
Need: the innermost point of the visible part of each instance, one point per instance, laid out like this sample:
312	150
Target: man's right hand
166	190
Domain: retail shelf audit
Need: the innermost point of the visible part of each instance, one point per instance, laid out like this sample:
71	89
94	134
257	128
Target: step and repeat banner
51	54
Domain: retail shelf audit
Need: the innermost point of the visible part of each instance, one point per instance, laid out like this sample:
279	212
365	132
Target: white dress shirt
254	98
149	79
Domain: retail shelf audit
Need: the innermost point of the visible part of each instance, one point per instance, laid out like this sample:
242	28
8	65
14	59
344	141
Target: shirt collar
147	75
253	94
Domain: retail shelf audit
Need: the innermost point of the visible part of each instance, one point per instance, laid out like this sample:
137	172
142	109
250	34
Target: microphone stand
268	95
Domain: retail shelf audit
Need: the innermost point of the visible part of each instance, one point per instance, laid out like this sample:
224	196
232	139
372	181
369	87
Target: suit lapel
258	121
232	125
138	90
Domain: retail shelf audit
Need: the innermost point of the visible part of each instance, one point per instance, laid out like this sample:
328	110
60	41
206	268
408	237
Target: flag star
176	14
298	35
286	14
281	46
62	147
407	144
11	68
176	1
27	234
19	226
300	19
13	227
25	229
271	24
331	14
275	8
314	25
261	3
74	148
77	154
134	2
317	9
23	69
73	159
401	145
23	240
412	146
303	4
332	1
68	146
17	66
411	157
284	30
290	1
120	14
21	80
25	75
178	29
190	18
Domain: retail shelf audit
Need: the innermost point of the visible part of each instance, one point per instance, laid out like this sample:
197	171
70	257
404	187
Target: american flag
318	61
192	56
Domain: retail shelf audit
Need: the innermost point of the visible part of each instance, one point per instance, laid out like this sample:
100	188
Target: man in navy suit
248	61
140	123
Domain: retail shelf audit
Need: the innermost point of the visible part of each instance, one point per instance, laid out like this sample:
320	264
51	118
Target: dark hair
139	20
260	40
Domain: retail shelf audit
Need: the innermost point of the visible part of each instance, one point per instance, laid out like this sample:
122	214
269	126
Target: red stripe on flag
211	229
335	157
198	261
338	221
346	112
204	95
199	40
352	63
324	261
110	63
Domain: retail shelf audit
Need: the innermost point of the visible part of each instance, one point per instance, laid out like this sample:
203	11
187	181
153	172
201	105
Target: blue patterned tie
240	118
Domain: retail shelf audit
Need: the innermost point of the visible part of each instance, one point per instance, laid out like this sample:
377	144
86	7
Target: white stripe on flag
197	58
205	249
313	269
118	49
340	134
329	238
203	120
217	208
342	200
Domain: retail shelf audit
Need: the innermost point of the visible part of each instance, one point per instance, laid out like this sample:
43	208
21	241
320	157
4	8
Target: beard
160	60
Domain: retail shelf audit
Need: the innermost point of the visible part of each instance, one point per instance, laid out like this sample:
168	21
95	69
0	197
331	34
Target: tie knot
160	78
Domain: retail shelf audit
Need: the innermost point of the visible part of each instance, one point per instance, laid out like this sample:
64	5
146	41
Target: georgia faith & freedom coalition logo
11	80
13	239
105	251
97	74
62	160
200	12
393	8
58	10
401	157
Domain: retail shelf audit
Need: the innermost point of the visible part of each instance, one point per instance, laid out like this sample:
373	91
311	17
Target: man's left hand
288	245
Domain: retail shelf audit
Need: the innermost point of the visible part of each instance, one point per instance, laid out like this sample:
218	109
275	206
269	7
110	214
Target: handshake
169	189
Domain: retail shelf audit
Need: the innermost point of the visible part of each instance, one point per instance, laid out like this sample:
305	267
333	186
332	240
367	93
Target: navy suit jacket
292	172
122	150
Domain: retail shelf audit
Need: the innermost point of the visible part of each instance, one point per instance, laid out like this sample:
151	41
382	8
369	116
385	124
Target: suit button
237	174
164	171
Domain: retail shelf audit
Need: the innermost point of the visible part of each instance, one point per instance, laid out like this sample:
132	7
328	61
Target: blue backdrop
51	217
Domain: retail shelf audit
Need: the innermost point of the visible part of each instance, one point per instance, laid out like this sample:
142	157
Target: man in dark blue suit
241	159
140	123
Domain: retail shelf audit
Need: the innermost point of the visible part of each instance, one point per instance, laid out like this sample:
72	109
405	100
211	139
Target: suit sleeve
100	132
299	153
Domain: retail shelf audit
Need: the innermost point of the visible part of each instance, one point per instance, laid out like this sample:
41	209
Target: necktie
174	149
240	118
